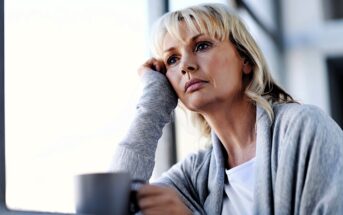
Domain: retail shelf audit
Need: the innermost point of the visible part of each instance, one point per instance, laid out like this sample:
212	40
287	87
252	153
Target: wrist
157	92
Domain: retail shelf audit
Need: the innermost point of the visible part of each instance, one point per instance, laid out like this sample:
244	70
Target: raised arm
136	152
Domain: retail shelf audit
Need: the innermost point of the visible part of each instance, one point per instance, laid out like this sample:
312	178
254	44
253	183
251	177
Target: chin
195	105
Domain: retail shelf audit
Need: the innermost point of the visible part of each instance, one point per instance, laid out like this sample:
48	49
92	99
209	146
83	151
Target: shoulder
301	114
293	111
189	170
196	161
304	120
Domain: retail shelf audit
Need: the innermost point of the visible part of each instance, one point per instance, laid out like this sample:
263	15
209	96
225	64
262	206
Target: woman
269	154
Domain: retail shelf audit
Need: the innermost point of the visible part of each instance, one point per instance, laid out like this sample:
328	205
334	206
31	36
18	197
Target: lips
194	84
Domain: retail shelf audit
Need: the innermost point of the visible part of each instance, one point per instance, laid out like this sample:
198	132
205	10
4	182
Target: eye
202	46
171	60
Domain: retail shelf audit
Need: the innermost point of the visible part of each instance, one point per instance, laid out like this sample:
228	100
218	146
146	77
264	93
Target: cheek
216	64
231	65
225	71
174	79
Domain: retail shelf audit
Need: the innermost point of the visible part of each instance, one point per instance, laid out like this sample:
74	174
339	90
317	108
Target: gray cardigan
299	157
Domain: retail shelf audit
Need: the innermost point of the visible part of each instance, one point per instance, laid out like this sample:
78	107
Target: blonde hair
219	22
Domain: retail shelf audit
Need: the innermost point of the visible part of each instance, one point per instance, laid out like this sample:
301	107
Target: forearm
136	152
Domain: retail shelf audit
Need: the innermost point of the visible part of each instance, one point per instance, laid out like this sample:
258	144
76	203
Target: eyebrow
192	39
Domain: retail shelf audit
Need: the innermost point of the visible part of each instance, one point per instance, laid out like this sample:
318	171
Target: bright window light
70	91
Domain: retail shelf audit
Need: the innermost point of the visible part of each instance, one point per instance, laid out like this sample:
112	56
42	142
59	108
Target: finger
149	190
165	204
155	64
152	64
165	200
146	66
160	66
149	62
155	201
153	211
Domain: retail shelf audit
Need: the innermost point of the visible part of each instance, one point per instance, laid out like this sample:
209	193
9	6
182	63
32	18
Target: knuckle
143	203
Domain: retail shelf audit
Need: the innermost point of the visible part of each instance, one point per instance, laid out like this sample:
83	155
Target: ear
247	68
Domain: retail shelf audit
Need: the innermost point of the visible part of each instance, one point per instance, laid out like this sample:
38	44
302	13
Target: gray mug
107	193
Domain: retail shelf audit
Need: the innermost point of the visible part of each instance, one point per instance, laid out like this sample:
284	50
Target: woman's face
203	71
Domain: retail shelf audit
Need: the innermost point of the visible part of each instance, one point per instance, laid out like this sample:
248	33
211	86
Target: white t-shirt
239	189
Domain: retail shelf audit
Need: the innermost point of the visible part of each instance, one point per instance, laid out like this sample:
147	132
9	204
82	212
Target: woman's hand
154	199
152	64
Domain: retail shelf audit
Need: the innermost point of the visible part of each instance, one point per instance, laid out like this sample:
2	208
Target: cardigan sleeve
136	152
185	177
310	172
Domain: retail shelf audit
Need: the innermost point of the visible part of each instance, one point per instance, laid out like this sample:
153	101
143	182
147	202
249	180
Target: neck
235	127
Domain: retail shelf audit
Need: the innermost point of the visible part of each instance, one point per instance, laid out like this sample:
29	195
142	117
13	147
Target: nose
189	66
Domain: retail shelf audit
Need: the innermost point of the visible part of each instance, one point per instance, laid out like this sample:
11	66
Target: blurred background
71	83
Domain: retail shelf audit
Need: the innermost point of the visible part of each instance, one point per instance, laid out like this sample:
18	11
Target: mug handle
136	184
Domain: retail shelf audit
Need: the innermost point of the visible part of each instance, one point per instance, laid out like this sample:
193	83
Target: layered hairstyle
221	23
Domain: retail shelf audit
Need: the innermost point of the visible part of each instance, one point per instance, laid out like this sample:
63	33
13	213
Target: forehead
184	35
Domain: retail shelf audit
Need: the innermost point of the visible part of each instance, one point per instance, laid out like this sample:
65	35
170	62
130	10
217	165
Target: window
335	74
333	9
70	90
